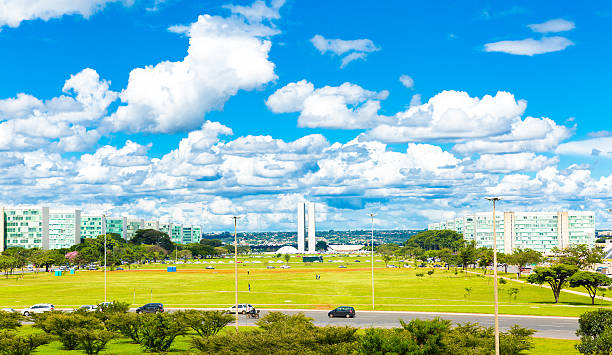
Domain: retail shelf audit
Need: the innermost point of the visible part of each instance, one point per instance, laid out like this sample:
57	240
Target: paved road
546	327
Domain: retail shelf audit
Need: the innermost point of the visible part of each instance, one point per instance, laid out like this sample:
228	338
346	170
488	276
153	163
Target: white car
89	307
38	308
285	267
8	310
242	308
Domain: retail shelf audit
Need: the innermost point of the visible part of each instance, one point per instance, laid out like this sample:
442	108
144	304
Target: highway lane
546	327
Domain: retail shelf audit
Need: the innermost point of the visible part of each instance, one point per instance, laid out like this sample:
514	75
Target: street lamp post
495	199
104	232
372	261
236	218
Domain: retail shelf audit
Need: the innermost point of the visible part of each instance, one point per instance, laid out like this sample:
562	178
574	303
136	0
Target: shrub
387	341
92	341
502	281
430	272
595	332
205	323
12	344
62	324
420	275
128	324
10	320
158	331
471	338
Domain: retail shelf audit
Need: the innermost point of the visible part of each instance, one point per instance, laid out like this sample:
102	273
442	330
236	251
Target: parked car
343	311
38	308
8	310
341	267
269	267
390	266
89	308
150	308
357	261
242	308
210	267
285	267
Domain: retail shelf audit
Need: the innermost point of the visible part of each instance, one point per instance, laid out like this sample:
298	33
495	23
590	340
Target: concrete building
91	225
24	227
117	225
539	231
306	224
132	226
64	229
301	226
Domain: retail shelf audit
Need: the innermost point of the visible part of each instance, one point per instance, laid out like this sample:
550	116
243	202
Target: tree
205	323
595	332
287	257
467	254
435	240
152	237
321	245
158	331
523	257
485	258
12	344
580	255
556	276
592	281
92	341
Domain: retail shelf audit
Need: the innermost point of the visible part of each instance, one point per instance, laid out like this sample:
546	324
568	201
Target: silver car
38	308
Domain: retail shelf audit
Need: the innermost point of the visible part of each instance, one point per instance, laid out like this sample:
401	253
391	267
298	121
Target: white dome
287	249
345	248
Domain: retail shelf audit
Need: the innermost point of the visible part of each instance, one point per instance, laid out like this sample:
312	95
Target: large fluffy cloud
63	121
452	115
225	55
347	106
13	12
600	146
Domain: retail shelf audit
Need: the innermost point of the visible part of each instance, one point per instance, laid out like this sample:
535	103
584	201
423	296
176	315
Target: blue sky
193	111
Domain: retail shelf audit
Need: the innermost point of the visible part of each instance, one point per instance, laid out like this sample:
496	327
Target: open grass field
194	286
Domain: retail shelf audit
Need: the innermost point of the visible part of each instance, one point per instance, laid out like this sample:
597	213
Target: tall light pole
372	261
236	218
104	232
495	199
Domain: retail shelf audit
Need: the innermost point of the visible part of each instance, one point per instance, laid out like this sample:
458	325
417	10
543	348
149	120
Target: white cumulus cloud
600	146
347	106
530	46
13	12
406	80
350	49
225	55
555	25
505	163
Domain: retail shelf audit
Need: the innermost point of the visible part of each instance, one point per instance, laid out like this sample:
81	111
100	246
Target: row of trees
147	245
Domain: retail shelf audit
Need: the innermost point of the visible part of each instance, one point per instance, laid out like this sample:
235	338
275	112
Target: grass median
397	289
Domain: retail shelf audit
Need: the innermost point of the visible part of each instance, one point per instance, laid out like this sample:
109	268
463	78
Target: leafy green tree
13	344
92	341
321	245
580	255
128	324
287	257
7	264
10	320
467	254
485	258
435	240
523	257
152	237
595	332
158	331
63	324
556	276
591	281
205	323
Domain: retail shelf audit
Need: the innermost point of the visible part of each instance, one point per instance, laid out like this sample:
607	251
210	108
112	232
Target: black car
150	308
344	311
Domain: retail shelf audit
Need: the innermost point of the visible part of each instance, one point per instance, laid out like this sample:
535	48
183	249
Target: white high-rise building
539	231
301	226
312	242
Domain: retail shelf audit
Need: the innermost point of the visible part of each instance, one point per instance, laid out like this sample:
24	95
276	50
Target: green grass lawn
193	286
544	346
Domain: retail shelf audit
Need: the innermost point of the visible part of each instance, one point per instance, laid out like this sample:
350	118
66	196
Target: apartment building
539	231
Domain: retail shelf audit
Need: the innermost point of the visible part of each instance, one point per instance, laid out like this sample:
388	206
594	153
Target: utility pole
495	199
236	218
372	261
104	232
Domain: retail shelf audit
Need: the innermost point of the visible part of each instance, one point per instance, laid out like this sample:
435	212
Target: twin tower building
306	223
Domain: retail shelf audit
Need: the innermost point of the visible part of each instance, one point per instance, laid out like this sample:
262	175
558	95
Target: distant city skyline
197	110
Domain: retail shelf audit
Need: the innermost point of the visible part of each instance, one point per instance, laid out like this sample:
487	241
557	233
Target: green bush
158	331
10	320
205	323
471	338
92	341
430	272
595	332
128	324
12	344
62	324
